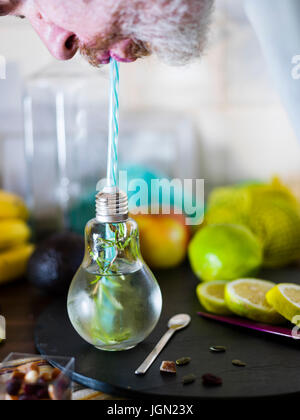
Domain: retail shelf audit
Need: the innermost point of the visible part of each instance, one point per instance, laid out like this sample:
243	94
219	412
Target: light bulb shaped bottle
114	300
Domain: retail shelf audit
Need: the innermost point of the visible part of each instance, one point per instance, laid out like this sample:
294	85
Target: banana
12	206
13	263
12	233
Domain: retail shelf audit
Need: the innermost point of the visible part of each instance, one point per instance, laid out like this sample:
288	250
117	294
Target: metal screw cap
112	206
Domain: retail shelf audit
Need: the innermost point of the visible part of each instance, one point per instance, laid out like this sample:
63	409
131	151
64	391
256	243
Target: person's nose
62	44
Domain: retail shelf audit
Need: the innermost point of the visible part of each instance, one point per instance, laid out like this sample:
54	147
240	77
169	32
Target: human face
122	29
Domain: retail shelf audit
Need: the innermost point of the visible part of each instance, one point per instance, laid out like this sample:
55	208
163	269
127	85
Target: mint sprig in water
111	247
105	285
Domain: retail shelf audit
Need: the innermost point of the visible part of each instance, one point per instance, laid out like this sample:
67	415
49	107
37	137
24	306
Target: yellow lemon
211	297
247	298
285	298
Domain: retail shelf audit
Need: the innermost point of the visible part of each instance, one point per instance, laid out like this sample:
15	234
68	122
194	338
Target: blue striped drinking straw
113	136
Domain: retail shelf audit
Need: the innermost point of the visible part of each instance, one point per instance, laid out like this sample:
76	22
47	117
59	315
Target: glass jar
65	117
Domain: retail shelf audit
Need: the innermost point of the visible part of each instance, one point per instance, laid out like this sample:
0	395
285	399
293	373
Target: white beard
176	30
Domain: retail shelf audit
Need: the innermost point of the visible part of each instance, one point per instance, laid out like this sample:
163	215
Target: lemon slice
285	298
247	297
211	296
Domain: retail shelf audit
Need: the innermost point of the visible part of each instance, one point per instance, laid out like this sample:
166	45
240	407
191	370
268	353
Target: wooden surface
273	363
21	305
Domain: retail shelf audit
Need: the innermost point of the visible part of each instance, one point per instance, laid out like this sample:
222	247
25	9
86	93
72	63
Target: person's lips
125	51
103	58
121	51
122	59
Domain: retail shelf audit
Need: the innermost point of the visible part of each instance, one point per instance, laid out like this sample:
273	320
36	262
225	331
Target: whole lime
225	252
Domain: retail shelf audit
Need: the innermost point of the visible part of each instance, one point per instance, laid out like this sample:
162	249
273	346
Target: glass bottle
114	301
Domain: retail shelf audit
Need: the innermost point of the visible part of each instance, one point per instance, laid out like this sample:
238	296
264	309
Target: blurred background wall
242	130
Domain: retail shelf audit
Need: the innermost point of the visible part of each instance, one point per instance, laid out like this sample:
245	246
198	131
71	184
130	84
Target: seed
188	379
183	361
218	349
211	380
238	363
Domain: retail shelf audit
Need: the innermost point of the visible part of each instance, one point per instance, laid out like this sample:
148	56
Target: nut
18	375
13	387
31	377
35	367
